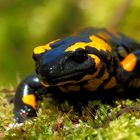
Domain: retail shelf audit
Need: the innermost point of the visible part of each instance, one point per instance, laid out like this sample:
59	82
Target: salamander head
67	62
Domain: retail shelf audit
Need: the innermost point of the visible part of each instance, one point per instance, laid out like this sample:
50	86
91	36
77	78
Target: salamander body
91	60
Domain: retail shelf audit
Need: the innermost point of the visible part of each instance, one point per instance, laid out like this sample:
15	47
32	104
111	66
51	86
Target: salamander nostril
54	69
79	56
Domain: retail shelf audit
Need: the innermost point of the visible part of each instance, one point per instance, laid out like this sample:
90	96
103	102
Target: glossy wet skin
93	60
70	66
68	63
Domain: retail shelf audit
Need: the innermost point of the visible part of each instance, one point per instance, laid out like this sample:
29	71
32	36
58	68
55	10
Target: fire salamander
91	60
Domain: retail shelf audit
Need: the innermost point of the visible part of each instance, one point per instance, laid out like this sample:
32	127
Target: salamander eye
79	56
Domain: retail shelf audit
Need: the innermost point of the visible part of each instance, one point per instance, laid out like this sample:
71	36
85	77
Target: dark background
25	24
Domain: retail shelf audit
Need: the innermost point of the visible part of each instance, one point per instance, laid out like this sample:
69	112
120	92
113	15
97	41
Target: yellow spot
63	89
105	76
96	42
91	76
104	35
58	84
122	52
129	62
93	84
66	82
86	77
44	84
29	100
74	33
135	83
99	44
96	59
73	88
111	83
42	49
76	46
113	32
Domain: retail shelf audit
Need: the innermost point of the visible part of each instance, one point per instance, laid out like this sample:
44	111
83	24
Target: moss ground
117	121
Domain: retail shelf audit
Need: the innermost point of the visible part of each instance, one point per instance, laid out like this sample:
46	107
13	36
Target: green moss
120	120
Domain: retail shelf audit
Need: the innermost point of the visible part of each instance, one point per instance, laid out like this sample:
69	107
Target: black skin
60	66
27	86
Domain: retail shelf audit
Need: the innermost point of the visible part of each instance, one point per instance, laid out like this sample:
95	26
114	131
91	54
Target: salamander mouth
73	77
69	78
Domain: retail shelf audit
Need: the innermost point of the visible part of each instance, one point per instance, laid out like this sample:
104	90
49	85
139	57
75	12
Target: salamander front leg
25	101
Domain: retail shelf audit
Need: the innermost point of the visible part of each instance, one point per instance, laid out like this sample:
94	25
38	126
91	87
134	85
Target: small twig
5	90
119	14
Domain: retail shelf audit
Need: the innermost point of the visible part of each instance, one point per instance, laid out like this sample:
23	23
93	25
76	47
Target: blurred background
25	24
